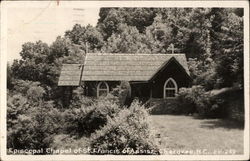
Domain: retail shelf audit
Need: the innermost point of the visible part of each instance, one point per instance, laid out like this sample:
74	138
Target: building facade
149	75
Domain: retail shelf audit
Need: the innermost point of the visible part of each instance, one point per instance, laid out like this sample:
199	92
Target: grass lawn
214	136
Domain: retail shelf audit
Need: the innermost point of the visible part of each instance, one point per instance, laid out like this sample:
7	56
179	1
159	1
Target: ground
181	134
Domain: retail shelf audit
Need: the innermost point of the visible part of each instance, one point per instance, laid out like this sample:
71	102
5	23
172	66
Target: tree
127	39
76	55
217	16
33	128
230	60
9	77
111	18
198	44
179	20
33	65
158	36
220	47
59	48
88	38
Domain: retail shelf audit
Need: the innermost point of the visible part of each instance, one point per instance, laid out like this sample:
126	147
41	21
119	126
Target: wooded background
211	38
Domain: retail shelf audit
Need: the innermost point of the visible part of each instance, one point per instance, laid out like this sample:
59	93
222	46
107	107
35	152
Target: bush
196	99
122	93
159	107
16	105
187	98
127	133
33	128
79	100
85	120
69	144
203	73
36	124
232	103
35	93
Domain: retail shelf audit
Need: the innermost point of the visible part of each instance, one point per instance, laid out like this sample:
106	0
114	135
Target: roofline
144	81
82	66
72	64
133	54
166	64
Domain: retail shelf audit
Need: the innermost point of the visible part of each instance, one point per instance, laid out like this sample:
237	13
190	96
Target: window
102	89
170	88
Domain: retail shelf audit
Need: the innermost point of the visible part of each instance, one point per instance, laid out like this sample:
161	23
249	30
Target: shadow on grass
221	123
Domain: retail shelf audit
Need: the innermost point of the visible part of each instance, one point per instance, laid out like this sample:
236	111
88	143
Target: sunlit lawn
209	135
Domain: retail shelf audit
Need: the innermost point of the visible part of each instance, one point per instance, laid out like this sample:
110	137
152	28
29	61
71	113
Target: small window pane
170	93
103	93
170	84
103	86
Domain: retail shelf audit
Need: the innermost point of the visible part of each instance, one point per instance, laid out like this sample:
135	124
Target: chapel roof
117	67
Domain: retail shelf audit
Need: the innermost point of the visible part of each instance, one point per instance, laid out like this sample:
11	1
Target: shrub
203	73
187	98
34	128
69	145
35	93
79	100
122	93
127	133
22	86
159	107
16	105
231	102
85	120
196	99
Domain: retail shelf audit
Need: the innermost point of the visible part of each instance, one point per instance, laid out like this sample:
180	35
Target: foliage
203	74
79	100
58	49
34	64
62	141
196	99
111	18
122	93
81	35
127	39
187	98
31	127
133	134
35	93
158	35
127	133
36	90
16	105
85	120
230	60
212	36
9	77
31	121
232	101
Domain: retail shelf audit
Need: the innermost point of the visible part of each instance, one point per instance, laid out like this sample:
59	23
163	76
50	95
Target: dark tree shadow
222	123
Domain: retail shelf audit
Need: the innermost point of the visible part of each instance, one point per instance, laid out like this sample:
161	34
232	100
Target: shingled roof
117	67
70	75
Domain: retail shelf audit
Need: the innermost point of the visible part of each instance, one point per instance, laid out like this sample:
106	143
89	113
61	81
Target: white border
92	4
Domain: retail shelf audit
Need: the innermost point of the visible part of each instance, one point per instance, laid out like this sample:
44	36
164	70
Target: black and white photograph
94	80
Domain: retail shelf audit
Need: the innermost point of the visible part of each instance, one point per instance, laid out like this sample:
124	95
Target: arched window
102	89
170	88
